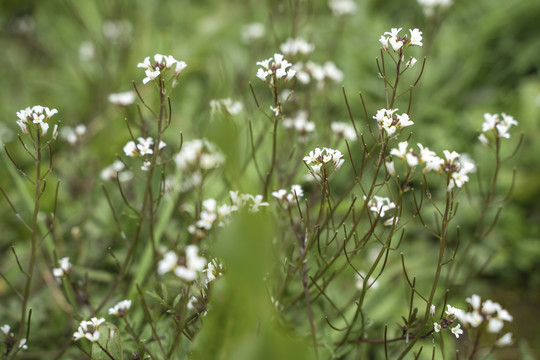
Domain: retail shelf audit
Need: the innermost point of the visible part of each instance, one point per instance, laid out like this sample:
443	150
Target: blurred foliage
482	56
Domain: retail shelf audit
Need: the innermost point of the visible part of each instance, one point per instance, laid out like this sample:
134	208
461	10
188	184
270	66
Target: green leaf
109	339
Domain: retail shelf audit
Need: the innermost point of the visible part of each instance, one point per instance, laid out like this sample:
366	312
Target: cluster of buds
39	115
155	70
390	123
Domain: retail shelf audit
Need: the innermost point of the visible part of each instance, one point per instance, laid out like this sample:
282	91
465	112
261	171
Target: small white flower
483	139
411	62
124	98
65	268
436	327
295	46
121	308
457	330
505	340
168	263
5	329
342	7
252	32
416	37
343	130
432	310
88	330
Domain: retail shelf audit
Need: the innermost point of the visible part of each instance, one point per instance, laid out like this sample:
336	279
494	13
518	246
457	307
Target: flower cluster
195	159
64	269
37	114
400	43
252	32
10	340
73	135
187	267
160	65
211	213
499	125
289	198
229	105
116	170
275	68
198	154
294	46
121	308
319	73
123	99
88	329
143	147
300	123
320	160
213	270
390	123
343	130
456	165
342	7
249	201
452	314
429	6
380	205
485	312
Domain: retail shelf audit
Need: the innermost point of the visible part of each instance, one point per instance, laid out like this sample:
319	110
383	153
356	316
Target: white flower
343	130
38	114
505	340
483	139
160	65
432	310
436	327
115	170
65	268
372	283
411	62
194	264
257	202
295	46
168	263
416	37
300	123
275	68
401	151
252	32
228	105
124	98
121	308
88	329
500	126
22	344
457	330
380	205
429	6
5	329
322	158
342	7
389	122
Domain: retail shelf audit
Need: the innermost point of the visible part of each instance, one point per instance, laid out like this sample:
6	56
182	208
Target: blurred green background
482	56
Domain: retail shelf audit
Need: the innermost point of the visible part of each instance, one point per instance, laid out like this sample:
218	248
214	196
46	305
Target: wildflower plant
305	229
